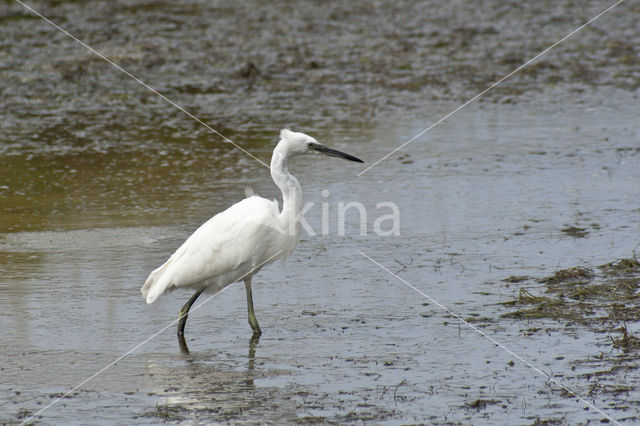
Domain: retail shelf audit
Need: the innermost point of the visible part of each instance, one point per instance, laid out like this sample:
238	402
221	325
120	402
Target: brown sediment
578	293
570	274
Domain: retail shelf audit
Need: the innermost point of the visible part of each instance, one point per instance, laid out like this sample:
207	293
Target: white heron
235	244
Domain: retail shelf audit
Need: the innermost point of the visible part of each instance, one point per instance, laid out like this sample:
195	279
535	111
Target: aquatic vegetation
603	300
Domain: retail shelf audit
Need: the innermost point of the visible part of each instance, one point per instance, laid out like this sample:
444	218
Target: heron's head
296	143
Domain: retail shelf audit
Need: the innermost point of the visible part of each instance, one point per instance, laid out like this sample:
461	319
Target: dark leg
253	322
184	313
253	343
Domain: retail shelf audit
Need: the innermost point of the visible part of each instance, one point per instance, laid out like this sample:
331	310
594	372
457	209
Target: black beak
334	153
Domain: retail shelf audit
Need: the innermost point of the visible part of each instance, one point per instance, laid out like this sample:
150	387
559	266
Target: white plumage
224	248
234	244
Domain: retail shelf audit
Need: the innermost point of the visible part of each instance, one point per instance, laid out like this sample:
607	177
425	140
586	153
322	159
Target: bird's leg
252	316
184	313
253	342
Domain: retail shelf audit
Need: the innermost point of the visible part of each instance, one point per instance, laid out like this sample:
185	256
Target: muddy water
101	180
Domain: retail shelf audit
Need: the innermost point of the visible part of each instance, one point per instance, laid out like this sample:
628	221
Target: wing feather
238	236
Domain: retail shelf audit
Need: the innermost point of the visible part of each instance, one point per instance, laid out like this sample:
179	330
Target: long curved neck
291	191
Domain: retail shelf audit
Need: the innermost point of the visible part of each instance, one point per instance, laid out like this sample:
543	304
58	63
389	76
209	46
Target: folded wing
238	238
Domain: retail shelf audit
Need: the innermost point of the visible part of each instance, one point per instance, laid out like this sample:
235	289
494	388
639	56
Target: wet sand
101	181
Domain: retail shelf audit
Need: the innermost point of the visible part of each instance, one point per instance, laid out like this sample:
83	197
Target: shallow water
101	181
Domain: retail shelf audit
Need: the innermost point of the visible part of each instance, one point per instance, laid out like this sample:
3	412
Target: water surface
101	180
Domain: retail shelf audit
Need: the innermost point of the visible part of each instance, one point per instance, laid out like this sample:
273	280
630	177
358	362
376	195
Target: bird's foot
183	344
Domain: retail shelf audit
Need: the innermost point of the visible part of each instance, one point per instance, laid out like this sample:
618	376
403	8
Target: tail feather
156	283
